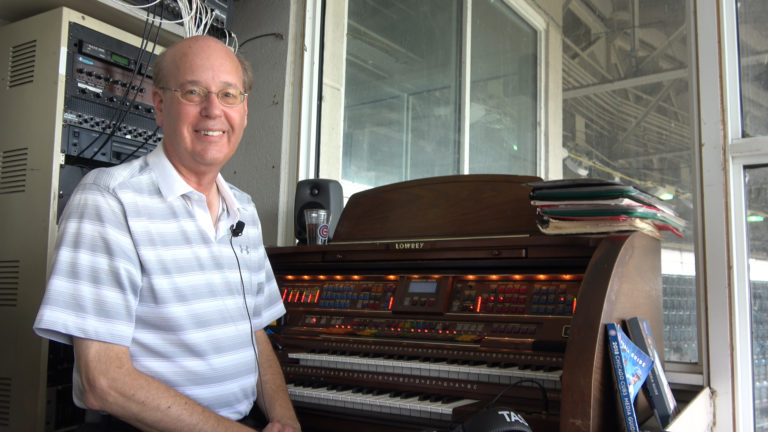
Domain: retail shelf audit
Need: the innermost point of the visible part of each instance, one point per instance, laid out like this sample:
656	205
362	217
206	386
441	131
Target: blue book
656	386
630	366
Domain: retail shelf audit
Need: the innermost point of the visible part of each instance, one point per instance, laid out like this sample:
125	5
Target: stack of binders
591	206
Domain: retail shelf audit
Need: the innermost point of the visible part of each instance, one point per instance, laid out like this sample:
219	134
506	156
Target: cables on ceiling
194	16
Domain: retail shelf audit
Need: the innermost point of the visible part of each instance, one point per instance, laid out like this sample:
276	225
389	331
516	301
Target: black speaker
317	193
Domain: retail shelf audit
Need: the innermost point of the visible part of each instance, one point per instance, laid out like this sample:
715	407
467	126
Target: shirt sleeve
95	278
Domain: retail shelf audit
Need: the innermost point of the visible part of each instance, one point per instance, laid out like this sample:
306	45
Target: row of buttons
513	329
551	310
148	109
102	125
346	304
552	299
419	301
514	299
492	308
109	80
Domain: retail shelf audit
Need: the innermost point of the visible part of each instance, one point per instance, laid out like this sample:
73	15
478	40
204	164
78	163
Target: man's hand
277	427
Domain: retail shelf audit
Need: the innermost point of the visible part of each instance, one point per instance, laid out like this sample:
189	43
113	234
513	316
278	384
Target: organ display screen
422	287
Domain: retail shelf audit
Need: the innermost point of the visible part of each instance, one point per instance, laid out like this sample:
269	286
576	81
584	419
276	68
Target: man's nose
211	105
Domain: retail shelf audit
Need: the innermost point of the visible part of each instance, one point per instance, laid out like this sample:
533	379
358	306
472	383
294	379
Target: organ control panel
508	294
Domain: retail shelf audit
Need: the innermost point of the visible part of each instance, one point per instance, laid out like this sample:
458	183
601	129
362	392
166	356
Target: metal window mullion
465	77
712	220
407	136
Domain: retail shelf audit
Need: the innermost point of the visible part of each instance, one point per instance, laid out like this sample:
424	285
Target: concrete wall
265	163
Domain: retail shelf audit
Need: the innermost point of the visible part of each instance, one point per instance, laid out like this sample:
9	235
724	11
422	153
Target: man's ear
157	101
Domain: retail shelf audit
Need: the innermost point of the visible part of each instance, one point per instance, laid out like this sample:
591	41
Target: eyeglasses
196	95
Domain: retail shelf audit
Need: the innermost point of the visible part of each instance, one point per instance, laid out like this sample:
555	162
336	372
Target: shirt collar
172	185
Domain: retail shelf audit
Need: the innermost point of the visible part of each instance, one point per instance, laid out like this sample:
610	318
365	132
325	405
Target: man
152	283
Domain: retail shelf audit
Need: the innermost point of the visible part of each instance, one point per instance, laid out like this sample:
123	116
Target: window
556	89
406	110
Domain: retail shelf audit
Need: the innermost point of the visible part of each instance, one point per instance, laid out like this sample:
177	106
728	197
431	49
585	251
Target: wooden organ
438	297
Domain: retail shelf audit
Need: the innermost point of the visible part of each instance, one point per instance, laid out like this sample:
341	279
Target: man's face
200	138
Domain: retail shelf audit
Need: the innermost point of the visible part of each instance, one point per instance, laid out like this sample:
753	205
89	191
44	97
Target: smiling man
165	315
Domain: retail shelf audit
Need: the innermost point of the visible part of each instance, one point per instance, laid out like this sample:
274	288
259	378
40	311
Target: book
587	211
561	226
592	189
656	385
630	367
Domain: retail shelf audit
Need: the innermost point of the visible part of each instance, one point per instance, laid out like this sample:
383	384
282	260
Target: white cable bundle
196	18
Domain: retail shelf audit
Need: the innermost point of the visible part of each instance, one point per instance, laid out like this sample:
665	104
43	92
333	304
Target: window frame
740	154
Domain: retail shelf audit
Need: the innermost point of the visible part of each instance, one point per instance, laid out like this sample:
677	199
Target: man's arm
273	396
112	384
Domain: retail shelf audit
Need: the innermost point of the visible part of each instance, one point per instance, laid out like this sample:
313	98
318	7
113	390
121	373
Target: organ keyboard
439	296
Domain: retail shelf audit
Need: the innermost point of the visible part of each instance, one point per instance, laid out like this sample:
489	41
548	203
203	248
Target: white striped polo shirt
135	265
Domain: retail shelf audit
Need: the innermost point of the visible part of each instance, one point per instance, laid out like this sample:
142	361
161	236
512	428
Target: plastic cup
317	226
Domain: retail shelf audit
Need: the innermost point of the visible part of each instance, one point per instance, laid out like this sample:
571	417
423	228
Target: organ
438	297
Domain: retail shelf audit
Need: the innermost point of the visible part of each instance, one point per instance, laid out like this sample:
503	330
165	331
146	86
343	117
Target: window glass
503	105
400	91
628	117
756	201
403	94
753	49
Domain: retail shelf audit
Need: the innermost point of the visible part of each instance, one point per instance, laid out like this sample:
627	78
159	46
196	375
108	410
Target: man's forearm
112	384
273	396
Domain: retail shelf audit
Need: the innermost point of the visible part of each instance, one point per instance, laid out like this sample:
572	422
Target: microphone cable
250	324
544	398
